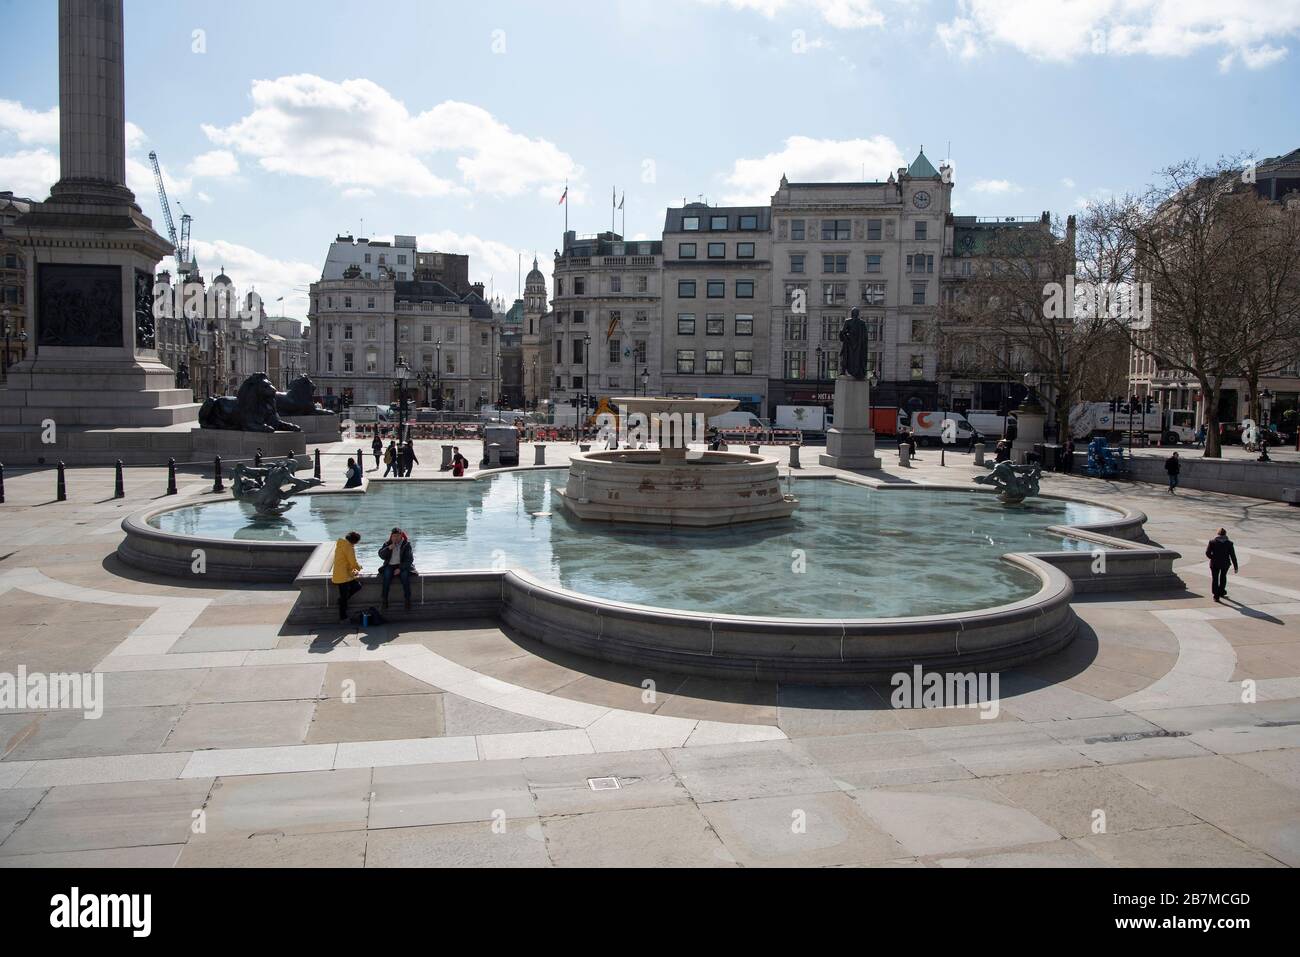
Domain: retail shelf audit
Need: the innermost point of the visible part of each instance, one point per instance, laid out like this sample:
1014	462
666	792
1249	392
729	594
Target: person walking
408	459
458	463
377	446
398	559
353	475
346	571
1003	451
390	459
1221	554
1067	456
1173	465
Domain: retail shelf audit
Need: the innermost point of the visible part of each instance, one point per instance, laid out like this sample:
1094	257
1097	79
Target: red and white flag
564	197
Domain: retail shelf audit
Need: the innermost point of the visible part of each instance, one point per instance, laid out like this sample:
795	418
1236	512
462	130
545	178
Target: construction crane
181	243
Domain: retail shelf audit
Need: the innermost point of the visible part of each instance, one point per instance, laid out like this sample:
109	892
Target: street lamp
401	372
19	336
437	372
586	380
645	379
1265	403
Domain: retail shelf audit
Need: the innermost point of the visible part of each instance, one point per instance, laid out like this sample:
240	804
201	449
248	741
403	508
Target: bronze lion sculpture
252	410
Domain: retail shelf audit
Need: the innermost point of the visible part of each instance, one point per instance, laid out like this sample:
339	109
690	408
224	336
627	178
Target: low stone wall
1234	476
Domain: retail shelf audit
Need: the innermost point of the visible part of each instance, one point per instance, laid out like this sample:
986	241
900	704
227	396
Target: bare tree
1270	334
1191	245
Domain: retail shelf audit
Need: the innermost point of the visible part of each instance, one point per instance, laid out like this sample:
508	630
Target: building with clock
874	245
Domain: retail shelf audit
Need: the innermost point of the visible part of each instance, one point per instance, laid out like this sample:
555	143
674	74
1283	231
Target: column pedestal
851	442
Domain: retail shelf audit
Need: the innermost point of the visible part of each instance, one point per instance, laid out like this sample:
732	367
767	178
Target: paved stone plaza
465	746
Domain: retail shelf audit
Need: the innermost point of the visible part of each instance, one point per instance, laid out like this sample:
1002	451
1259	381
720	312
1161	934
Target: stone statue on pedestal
265	486
853	346
1013	482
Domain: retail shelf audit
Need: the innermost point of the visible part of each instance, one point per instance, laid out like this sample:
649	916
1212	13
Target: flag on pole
565	197
613	324
620	200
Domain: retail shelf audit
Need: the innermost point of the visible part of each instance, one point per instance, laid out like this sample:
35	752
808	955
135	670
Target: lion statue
252	410
297	400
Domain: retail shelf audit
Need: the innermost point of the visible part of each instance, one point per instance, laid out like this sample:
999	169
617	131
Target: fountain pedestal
1030	422
851	442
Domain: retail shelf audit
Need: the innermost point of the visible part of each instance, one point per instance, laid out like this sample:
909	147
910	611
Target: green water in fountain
848	551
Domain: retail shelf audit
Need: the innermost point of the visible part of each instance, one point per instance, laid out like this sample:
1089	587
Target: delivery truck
805	418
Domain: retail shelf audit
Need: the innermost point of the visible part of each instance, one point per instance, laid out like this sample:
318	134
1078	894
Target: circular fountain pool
847	552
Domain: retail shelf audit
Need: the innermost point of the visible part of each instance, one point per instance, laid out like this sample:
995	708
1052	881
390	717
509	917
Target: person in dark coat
1221	554
377	446
406	460
390	460
398	559
1173	465
354	475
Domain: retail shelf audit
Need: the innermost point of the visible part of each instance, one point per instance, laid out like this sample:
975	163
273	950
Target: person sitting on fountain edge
399	559
346	571
353	475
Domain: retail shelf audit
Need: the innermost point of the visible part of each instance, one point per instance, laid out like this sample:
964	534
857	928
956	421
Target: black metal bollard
317	471
119	487
257	459
171	476
361	463
217	484
61	485
2	484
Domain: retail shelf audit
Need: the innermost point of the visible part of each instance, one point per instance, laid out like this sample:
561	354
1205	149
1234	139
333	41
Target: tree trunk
1210	396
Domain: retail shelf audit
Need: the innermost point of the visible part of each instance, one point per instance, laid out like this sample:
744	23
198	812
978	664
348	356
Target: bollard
360	460
794	457
979	454
257	459
171	476
904	455
446	459
217	484
753	450
119	487
2	484
61	485
539	458
943	449
494	455
316	471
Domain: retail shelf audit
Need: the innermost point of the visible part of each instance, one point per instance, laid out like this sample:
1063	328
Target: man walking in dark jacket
1173	465
1221	554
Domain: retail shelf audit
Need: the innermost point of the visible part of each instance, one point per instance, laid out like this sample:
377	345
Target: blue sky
461	122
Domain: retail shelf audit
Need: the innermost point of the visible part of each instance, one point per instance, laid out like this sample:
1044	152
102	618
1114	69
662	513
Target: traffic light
1151	404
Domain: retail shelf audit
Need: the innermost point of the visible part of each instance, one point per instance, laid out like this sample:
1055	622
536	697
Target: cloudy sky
281	124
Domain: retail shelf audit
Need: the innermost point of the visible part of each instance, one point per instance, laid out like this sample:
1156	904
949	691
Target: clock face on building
921	200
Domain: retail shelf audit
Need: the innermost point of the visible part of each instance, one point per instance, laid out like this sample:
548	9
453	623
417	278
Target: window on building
577	350
797	230
559	351
831	327
748	221
426	333
641	315
559	285
796	364
686	289
744	362
717	250
367	257
718	222
615	283
642	283
796	328
347	302
744	289
347	362
792	289
685	361
837	229
744	250
451	360
744	324
838	262
834	293
715	325
372	362
873	293
713	362
873	230
370	302
579	316
690	224
579	285
918	293
615	351
716	289
918	367
796	262
482	338
873	263
347	330
401	260
921	228
639	350
329	362
686	250
329	330
686	324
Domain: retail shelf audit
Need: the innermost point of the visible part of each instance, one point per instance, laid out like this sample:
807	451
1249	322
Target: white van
989	423
736	420
928	427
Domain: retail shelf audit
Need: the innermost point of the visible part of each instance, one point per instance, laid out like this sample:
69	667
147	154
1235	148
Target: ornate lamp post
401	373
586	380
11	335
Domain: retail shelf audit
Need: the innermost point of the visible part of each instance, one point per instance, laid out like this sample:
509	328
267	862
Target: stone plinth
1030	420
851	442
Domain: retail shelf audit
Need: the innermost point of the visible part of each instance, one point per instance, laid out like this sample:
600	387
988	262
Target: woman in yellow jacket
346	571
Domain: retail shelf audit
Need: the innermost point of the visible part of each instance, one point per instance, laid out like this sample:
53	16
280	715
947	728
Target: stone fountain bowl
649	404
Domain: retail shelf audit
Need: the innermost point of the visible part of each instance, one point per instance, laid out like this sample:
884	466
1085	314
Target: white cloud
841	14
1067	183
1064	30
251	270
29	173
216	164
357	135
753	181
28	125
995	187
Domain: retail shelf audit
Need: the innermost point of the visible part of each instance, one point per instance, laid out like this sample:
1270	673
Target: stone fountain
656	477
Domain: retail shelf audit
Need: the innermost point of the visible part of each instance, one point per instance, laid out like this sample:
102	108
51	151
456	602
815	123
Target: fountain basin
637	486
